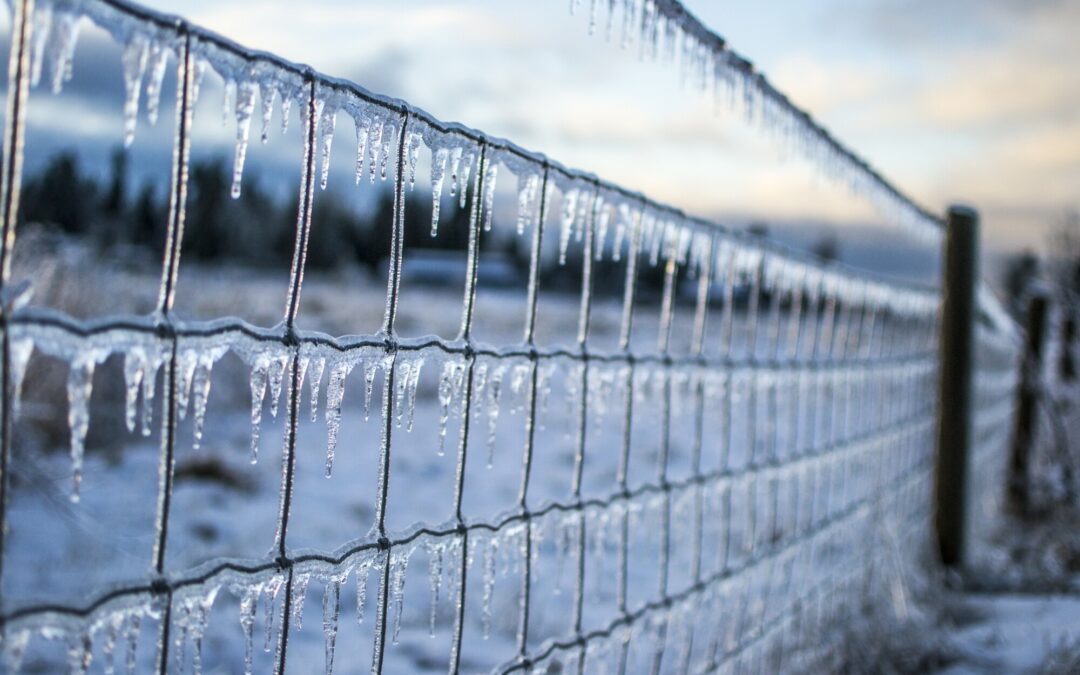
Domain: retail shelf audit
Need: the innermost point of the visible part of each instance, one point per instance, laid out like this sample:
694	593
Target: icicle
80	654
362	570
316	365
567	224
159	57
258	385
375	139
466	169
186	361
247	624
134	60
387	148
327	122
489	584
286	107
113	624
451	374
331	609
401	383
227	98
435	566
335	393
266	98
438	172
43	17
299	594
455	169
79	388
410	392
64	35
269	598
489	193
201	390
398	566
245	107
134	372
201	616
131	636
413	154
363	126
196	82
528	190
279	365
15	644
369	387
149	387
494	395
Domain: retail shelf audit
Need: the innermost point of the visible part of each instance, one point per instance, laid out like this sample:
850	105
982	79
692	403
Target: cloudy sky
954	100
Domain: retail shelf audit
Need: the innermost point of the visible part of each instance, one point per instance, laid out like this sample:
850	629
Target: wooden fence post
1027	408
958	315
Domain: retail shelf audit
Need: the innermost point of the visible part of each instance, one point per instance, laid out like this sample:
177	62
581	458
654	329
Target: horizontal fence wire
804	408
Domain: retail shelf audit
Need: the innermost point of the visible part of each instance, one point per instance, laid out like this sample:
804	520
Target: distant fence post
1027	404
958	315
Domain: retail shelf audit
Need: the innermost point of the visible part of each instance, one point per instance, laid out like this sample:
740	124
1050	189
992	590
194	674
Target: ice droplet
245	107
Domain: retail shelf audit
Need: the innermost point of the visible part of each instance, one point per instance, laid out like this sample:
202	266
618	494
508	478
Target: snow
1014	633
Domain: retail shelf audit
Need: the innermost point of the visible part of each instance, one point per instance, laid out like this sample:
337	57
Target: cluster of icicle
662	30
114	631
269	361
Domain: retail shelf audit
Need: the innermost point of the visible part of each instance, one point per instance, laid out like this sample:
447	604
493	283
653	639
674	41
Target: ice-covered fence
736	481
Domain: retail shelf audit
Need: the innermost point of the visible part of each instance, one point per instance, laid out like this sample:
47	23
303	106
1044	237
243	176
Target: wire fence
782	472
